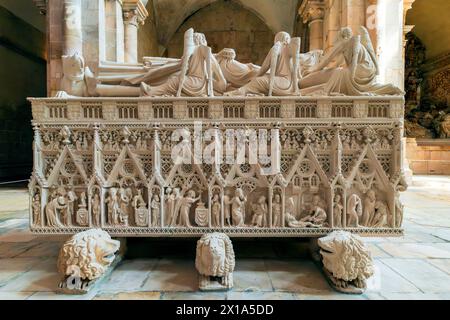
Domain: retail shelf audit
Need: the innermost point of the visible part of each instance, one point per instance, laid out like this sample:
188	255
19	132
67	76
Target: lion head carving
87	254
215	256
346	259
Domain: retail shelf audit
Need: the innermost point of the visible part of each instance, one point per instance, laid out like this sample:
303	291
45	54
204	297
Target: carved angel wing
367	43
275	52
294	47
189	47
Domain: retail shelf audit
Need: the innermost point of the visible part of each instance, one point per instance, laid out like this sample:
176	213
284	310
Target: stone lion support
346	261
215	262
86	258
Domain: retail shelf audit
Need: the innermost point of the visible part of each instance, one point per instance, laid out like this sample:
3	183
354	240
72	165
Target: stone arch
227	24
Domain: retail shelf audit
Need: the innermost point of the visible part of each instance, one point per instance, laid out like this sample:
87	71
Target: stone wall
427	92
148	36
22	75
428	156
279	15
227	25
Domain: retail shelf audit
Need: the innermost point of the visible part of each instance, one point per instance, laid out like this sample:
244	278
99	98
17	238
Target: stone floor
415	266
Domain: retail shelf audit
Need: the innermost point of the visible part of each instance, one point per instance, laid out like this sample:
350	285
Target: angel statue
282	63
356	78
200	73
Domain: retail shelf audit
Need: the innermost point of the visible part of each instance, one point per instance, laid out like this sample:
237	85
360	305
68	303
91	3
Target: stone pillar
407	4
353	14
134	14
312	12
390	41
73	40
333	23
114	31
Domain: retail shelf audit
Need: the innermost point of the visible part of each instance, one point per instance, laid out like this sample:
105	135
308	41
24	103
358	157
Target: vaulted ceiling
432	25
279	15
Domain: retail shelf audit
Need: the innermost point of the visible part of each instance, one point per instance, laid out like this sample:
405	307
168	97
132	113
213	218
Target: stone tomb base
107	163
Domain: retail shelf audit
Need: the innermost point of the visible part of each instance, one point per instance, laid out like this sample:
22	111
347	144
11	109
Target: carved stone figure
52	210
140	210
96	209
82	217
357	78
398	212
226	209
200	73
73	82
36	207
201	215
291	221
276	211
69	211
185	206
415	53
169	205
308	60
259	212
238	208
215	210
236	73
338	210
174	206
380	217
346	260
85	257
369	207
282	62
318	215
112	202
156	213
125	195
443	128
214	262
354	210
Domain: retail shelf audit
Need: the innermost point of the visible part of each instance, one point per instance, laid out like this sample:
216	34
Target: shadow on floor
243	248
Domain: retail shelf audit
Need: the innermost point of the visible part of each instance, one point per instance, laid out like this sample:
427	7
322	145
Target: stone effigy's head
371	195
277	198
87	254
200	39
73	65
345	256
215	255
345	33
239	193
282	37
227	54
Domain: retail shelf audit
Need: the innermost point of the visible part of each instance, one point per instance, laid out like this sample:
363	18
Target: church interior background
415	56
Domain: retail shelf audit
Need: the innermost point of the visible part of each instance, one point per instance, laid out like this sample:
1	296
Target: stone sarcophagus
294	166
